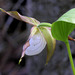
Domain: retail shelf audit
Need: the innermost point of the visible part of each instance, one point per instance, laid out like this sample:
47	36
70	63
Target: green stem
70	57
44	25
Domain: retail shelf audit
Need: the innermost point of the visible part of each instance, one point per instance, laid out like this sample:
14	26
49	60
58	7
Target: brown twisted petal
26	19
26	45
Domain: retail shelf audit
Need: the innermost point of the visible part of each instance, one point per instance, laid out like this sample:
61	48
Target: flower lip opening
37	44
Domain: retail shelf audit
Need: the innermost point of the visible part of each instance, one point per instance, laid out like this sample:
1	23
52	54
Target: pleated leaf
68	16
64	26
26	19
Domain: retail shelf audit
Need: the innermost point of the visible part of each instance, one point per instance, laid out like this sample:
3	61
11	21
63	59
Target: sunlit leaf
26	19
50	42
64	26
68	16
61	30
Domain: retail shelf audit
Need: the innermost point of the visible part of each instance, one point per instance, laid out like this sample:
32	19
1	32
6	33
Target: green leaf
68	16
60	30
64	26
50	42
26	19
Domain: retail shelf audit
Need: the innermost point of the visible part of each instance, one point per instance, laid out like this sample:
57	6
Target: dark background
14	33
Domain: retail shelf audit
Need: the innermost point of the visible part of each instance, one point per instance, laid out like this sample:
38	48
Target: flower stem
70	57
44	24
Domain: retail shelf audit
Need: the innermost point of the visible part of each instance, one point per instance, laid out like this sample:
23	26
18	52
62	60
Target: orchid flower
40	36
43	34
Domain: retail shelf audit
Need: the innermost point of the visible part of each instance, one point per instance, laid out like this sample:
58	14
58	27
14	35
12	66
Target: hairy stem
70	57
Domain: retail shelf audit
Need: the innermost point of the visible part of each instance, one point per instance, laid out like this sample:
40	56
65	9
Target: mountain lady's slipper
40	36
43	34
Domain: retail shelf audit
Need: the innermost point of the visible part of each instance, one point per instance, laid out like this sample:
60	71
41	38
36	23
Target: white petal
37	44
